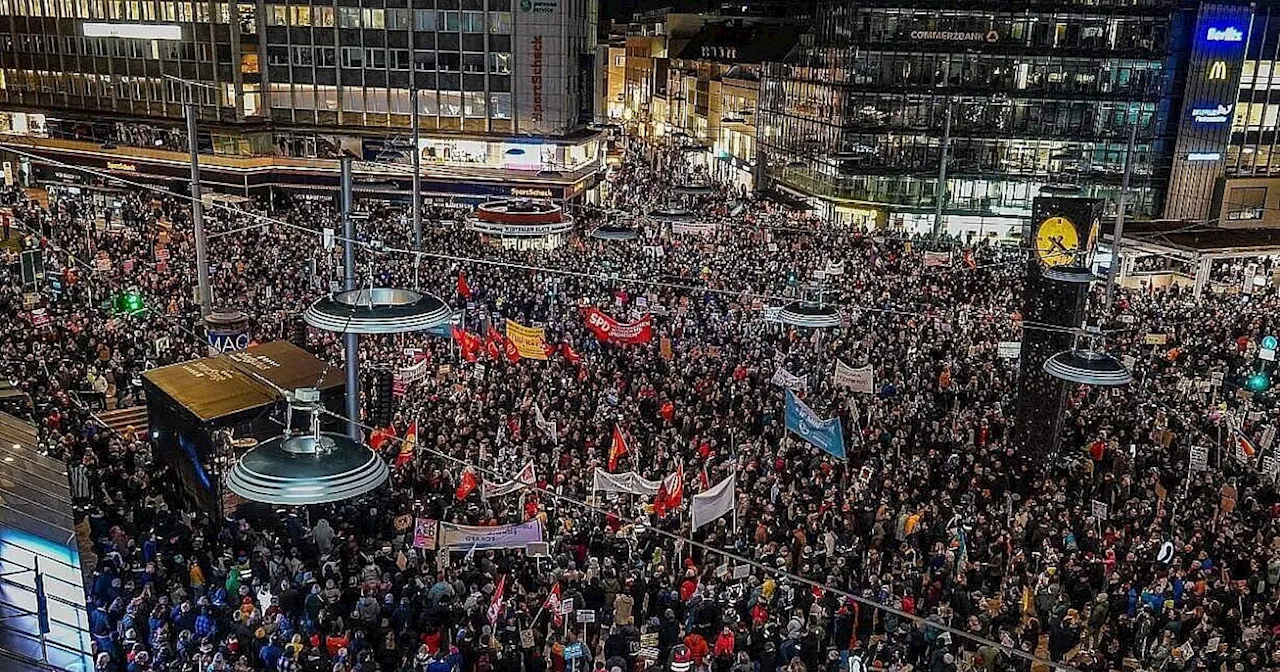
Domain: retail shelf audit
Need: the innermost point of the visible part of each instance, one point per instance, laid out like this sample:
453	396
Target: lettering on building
956	35
727	53
1228	34
1212	115
121	165
535	111
1218	70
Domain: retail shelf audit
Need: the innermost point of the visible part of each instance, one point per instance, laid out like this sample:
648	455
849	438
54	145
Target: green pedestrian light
1258	382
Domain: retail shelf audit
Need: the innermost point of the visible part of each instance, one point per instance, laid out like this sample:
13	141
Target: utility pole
197	211
1118	233
351	342
417	169
941	196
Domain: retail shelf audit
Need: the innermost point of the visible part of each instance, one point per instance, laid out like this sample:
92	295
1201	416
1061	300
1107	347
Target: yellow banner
531	342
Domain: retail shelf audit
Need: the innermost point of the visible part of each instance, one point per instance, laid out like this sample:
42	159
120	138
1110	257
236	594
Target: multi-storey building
1027	94
503	89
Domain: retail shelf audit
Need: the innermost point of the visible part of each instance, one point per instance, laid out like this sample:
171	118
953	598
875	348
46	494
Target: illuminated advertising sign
1227	34
140	31
1212	115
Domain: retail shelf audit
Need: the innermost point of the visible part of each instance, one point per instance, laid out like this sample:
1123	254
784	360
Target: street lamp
204	291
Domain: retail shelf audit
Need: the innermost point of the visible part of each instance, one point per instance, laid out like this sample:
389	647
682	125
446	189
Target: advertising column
1208	108
543	83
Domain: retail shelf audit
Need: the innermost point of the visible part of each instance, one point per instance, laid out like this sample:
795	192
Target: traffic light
128	303
1258	382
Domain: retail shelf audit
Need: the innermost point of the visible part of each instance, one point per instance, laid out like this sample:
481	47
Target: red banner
608	329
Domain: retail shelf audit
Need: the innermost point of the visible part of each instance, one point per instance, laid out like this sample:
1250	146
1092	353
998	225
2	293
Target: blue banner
825	434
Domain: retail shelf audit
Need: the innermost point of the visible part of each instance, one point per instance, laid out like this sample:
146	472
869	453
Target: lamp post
204	291
1118	232
351	342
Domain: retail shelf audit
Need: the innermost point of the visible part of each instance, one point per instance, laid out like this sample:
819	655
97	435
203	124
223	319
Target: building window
398	58
424	19
619	61
324	57
426	61
375	58
397	19
322	17
473	22
499	23
450	103
499	63
473	63
1247	203
300	15
352	57
447	21
278	56
448	61
500	105
303	56
348	17
373	18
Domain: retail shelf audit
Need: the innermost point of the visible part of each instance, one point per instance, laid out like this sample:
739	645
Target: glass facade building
309	80
1038	94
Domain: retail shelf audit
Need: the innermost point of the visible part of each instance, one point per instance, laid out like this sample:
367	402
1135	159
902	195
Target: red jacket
724	644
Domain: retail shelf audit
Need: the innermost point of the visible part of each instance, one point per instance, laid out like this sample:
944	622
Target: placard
425	531
1156	339
575	650
741	571
566	606
1199	458
1009	349
584	616
649	639
526	639
1099	510
537	549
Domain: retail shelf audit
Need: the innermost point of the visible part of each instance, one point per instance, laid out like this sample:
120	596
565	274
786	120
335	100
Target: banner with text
608	329
531	342
471	537
859	380
825	434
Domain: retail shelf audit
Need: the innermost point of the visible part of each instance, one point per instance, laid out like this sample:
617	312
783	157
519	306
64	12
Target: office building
504	90
1026	94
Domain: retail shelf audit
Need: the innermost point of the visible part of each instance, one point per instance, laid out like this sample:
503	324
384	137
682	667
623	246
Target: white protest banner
1199	459
471	537
1009	349
525	477
547	427
715	502
628	482
1268	437
859	380
584	616
833	268
772	314
788	380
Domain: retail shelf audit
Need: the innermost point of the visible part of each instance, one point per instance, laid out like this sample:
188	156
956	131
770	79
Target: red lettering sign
608	329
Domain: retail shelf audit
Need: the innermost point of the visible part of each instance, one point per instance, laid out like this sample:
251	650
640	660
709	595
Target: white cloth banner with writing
861	379
715	502
525	477
545	426
786	379
628	482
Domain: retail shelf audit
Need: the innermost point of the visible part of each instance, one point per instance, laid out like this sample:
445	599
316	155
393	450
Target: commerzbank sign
955	36
539	6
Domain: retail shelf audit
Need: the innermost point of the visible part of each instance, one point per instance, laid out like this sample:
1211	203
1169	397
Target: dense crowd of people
925	550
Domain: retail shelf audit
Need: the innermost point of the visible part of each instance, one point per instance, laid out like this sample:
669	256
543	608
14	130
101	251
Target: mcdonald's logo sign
1218	70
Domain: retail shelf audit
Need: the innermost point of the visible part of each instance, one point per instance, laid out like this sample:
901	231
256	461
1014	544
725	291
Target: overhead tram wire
486	262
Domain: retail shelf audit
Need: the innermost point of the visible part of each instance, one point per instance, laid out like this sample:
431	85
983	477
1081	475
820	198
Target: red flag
409	446
463	288
703	481
468	343
509	347
968	259
548	349
618	448
1245	445
495	606
380	437
553	605
569	354
670	492
466	485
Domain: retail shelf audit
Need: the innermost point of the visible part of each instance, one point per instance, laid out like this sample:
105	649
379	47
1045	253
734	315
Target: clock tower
1062	232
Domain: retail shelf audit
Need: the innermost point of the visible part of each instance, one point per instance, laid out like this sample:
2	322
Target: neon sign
1204	156
1212	115
1228	34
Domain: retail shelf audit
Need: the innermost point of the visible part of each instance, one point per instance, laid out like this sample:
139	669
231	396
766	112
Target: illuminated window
499	63
1247	203
397	19
473	22
300	15
424	19
499	23
373	18
500	105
